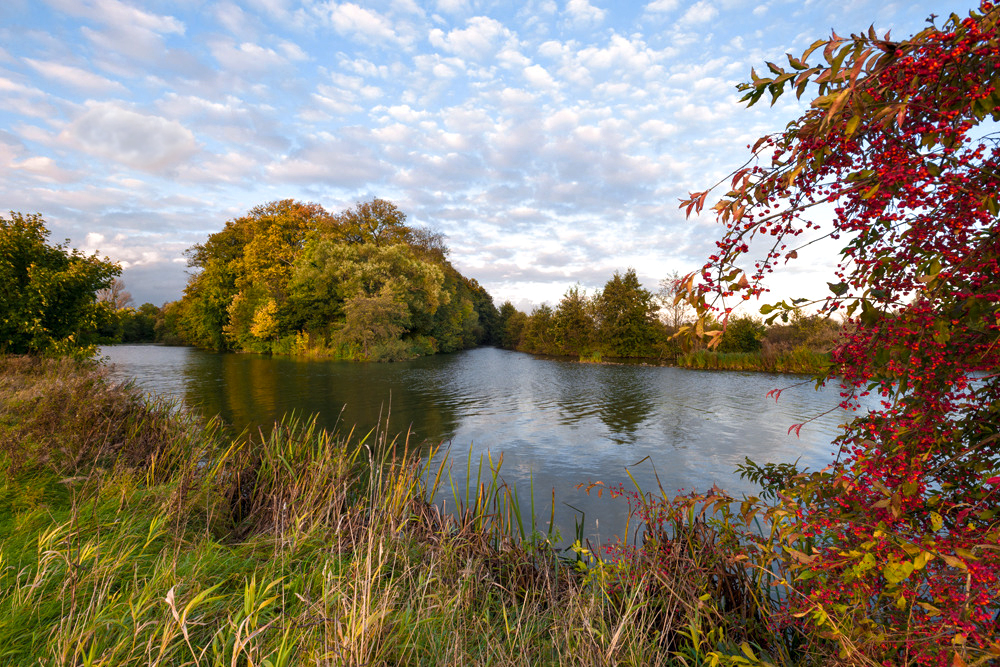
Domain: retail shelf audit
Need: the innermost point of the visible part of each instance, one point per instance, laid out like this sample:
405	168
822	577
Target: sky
549	140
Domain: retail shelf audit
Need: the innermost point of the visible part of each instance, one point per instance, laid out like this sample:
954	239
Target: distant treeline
290	278
626	321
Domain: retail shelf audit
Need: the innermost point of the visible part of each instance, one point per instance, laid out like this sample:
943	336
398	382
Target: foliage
625	311
575	332
47	293
511	325
290	278
743	334
894	551
572	329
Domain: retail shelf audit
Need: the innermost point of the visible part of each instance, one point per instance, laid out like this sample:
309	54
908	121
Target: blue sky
548	140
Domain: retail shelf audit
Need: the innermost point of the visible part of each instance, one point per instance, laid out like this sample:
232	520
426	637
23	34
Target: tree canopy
48	302
893	552
290	277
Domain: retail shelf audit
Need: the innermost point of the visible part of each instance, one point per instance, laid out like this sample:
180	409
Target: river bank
801	361
135	534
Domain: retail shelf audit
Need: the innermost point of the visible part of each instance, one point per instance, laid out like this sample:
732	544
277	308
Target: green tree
48	302
139	324
743	334
372	321
574	331
626	312
539	333
511	325
328	273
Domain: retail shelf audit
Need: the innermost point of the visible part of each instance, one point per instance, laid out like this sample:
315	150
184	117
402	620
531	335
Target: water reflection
557	423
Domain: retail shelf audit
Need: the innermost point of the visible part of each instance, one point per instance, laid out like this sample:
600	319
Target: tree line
625	320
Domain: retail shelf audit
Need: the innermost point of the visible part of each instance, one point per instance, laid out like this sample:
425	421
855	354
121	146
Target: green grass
132	534
799	360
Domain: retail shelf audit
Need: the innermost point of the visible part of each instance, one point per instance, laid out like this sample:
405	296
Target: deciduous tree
894	551
48	301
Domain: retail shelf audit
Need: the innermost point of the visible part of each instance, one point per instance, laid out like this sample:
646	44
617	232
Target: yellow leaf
852	126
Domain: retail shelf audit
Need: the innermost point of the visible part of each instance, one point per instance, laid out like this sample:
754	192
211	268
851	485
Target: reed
798	360
134	535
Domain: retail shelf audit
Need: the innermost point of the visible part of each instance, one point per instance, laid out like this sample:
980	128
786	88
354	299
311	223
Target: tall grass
134	535
797	360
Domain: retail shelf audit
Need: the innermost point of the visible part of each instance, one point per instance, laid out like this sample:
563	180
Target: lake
557	422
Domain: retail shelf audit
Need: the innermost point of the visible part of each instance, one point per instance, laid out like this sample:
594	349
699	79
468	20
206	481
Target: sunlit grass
798	360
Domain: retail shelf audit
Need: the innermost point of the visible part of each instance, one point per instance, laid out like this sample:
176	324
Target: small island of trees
291	278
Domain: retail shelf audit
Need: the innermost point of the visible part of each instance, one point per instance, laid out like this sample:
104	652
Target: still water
557	423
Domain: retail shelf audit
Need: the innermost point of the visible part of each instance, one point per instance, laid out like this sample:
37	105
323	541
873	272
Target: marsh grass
797	360
135	535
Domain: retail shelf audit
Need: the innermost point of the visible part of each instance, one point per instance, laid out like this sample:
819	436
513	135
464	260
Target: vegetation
624	320
47	293
289	278
892	553
132	534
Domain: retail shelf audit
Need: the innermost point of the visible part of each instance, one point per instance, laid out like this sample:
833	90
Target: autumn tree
48	302
244	271
289	273
893	552
378	222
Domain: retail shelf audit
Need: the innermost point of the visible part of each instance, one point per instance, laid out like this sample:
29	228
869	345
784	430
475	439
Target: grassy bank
799	360
132	534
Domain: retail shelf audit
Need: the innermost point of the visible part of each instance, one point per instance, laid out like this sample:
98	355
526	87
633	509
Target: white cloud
144	142
114	12
622	56
247	57
538	77
700	12
481	38
581	12
407	7
75	77
662	6
46	169
360	24
7	86
119	29
453	6
332	161
658	129
235	20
